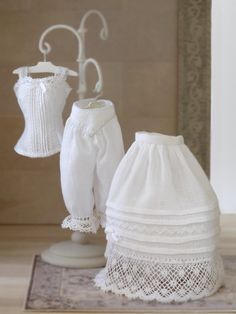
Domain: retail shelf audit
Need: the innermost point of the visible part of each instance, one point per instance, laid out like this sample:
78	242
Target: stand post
77	252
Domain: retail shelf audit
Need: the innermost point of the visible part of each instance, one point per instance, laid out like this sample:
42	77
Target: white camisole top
42	102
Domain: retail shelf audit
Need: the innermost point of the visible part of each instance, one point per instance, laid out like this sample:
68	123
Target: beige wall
139	63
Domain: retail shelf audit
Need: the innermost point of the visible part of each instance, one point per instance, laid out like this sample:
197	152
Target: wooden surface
18	245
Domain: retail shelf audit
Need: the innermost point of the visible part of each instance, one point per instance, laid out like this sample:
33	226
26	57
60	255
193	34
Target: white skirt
162	224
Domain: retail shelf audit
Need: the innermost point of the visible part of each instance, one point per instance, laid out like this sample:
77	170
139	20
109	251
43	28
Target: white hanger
45	67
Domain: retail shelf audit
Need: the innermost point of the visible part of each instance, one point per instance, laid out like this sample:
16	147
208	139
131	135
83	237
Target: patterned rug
54	288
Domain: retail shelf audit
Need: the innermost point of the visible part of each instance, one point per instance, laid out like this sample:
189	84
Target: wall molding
194	76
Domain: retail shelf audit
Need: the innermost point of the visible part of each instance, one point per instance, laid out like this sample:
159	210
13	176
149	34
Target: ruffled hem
82	224
153	279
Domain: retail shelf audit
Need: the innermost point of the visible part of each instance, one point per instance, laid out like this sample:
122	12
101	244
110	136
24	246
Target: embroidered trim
172	234
157	257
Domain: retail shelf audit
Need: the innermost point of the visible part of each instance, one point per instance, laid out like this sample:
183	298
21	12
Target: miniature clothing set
92	148
162	225
42	101
160	214
91	145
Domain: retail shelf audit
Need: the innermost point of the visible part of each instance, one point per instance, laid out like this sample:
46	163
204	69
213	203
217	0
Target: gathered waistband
157	138
92	113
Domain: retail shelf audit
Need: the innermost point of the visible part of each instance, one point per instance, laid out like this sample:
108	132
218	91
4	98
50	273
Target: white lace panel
163	239
82	224
175	233
164	281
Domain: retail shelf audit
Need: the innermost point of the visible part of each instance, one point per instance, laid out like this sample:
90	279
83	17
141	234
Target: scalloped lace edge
82	224
99	283
162	281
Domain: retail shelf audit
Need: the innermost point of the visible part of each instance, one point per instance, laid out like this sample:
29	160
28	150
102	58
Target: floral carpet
54	288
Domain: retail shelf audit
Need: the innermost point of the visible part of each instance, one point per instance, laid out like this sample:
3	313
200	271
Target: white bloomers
162	225
92	148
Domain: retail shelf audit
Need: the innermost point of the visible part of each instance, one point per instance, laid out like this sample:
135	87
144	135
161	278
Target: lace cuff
82	224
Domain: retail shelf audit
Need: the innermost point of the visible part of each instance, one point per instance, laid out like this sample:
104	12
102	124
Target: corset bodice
42	102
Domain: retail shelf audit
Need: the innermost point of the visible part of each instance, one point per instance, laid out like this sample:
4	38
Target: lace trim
150	279
157	257
46	82
82	224
191	231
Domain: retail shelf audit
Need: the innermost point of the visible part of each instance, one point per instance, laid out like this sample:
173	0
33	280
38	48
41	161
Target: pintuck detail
42	101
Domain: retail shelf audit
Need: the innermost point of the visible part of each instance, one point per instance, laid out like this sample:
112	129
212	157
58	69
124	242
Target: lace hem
82	224
164	282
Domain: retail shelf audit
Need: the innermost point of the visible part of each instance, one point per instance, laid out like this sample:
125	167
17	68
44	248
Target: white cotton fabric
92	148
162	224
42	101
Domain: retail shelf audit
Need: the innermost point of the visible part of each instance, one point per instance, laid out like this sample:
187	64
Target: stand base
71	254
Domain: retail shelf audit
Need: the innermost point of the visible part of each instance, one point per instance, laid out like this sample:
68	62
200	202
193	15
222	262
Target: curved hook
99	85
45	47
103	31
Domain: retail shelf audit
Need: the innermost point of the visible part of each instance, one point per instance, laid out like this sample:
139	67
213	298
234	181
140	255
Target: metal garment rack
83	62
77	252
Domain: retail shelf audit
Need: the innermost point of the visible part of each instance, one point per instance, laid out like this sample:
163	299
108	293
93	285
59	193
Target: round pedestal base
71	254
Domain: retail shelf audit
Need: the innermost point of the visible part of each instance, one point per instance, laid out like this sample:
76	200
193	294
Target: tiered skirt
162	225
